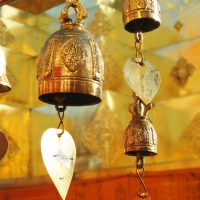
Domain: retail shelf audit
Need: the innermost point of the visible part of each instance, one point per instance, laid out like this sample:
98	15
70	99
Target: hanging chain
61	111
138	43
140	166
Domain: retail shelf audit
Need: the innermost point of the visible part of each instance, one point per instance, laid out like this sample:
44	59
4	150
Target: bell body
140	136
4	83
70	67
141	15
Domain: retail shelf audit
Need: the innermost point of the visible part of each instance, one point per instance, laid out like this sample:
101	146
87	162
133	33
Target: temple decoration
70	72
140	138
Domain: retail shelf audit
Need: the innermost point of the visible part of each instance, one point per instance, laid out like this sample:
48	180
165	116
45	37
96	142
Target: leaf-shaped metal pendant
144	79
59	156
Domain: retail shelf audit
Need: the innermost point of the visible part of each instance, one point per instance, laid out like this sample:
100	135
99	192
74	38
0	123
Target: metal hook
139	40
140	165
61	111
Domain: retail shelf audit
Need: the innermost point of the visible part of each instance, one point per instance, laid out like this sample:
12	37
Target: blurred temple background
102	171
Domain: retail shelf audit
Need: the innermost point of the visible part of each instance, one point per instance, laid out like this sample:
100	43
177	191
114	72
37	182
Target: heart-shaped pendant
144	79
59	156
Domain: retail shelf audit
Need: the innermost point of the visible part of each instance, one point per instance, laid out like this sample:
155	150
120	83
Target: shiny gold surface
70	68
37	6
141	15
175	107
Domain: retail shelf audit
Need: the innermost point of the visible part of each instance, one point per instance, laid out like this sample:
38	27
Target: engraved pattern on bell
143	80
140	135
72	54
141	15
70	64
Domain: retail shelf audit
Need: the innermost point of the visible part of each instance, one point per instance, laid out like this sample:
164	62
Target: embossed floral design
73	55
141	3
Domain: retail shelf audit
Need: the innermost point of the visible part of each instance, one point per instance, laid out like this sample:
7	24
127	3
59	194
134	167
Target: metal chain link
61	111
140	166
139	40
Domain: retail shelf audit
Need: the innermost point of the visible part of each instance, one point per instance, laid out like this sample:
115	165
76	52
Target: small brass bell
4	84
70	66
141	15
140	135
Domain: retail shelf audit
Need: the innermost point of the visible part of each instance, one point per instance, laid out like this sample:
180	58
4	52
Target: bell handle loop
139	40
61	111
80	11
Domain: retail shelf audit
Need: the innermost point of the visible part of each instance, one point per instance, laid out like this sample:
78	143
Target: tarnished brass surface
141	15
140	135
70	65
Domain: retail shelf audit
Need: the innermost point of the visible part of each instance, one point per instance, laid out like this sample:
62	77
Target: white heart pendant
143	80
59	156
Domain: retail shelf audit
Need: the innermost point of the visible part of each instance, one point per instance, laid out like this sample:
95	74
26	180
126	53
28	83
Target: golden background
98	130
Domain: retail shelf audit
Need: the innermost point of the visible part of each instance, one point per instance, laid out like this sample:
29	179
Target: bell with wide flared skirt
70	66
4	83
141	15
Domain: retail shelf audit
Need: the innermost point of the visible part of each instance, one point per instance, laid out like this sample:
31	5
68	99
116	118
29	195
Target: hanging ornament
70	66
140	138
3	145
140	15
59	156
4	84
70	72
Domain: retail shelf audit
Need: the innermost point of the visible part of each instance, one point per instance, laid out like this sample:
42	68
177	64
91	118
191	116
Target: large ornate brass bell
140	15
4	84
140	135
70	67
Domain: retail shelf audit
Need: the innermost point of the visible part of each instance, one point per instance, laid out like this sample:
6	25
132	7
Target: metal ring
59	109
139	37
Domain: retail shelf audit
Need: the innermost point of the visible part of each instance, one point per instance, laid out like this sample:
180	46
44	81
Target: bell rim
147	150
81	88
130	21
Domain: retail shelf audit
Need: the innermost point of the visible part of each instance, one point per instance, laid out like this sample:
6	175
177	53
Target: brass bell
141	15
140	135
70	66
4	84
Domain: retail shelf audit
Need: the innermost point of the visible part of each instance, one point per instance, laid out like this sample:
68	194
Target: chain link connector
61	111
139	40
